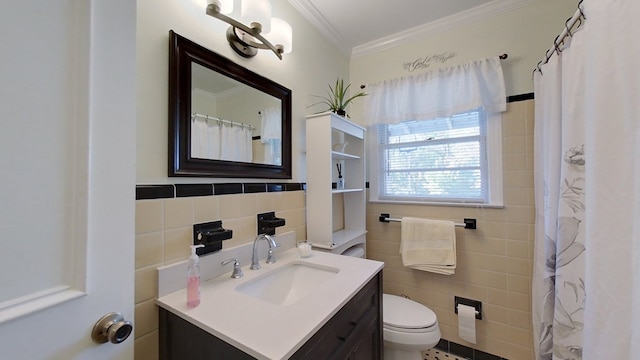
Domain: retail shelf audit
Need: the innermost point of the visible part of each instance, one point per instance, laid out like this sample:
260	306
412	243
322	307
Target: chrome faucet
255	260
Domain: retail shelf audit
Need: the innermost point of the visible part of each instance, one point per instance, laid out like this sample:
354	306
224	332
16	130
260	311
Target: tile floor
437	354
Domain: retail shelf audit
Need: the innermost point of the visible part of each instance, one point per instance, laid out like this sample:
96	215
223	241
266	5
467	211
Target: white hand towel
428	245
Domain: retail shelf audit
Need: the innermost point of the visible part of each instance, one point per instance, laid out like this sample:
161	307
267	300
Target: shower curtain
235	143
212	140
586	280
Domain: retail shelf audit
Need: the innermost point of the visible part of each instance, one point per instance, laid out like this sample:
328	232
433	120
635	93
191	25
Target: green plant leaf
336	96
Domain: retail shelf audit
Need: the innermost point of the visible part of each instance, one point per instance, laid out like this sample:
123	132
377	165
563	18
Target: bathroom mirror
225	120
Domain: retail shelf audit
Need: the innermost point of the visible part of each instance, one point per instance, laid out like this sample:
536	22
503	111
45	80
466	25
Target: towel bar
468	223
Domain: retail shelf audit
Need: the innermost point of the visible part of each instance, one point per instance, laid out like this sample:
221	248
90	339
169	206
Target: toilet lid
404	313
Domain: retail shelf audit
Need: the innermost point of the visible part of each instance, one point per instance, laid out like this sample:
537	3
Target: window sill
425	203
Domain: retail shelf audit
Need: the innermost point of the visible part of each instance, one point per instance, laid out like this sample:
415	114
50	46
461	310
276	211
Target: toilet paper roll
467	323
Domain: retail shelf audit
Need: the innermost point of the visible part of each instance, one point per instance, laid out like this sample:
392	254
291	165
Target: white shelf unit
335	217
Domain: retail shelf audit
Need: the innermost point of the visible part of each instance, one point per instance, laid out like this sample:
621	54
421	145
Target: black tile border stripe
521	97
187	190
461	350
227	189
169	191
465	351
145	192
252	188
294	187
275	187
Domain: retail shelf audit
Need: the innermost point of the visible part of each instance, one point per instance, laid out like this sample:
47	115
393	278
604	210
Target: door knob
111	327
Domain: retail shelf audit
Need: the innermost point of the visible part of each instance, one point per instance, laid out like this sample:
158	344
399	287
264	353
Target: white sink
289	283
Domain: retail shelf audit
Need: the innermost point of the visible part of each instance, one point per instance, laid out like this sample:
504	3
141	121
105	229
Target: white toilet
408	326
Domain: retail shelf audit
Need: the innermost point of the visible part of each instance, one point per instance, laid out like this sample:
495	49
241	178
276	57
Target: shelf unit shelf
336	191
340	238
335	217
343	156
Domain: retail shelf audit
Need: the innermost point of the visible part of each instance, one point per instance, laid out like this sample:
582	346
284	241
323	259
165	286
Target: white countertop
264	330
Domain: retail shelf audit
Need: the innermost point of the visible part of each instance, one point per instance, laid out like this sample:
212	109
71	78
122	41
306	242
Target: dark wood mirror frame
182	53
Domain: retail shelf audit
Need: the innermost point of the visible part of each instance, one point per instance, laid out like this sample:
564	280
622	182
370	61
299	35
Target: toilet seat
402	314
411	331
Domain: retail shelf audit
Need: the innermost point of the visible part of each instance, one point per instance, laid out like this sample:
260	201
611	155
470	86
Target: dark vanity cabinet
354	332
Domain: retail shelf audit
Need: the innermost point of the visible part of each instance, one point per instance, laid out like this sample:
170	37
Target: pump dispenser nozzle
193	278
193	251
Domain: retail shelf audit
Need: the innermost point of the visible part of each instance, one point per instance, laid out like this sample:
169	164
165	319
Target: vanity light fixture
246	40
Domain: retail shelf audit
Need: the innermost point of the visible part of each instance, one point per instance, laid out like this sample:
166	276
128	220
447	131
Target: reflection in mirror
225	120
231	121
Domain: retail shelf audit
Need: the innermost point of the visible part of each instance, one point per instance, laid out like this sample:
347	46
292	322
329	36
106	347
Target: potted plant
337	99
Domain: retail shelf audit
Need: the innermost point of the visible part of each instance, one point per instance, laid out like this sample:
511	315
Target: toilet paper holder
473	303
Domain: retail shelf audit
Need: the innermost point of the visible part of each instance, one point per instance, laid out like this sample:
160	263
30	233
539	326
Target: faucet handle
237	272
272	244
270	258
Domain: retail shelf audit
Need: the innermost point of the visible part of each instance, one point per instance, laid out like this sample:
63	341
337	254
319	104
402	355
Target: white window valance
438	93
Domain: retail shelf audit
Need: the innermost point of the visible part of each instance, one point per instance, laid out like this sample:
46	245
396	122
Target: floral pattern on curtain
586	280
559	292
564	296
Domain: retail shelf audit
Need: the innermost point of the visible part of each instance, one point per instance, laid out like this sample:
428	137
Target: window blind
434	160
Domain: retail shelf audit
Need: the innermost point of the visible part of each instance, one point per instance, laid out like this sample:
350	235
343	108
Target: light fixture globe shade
226	6
256	11
281	34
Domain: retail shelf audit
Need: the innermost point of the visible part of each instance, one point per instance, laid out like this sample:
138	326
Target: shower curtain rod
501	56
223	121
573	23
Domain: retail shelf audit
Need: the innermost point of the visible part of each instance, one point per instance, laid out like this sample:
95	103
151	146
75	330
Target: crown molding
316	19
466	17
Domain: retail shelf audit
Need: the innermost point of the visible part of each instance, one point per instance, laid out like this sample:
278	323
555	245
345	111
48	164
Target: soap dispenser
193	278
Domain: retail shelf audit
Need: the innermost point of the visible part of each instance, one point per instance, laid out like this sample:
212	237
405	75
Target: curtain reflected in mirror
271	137
233	122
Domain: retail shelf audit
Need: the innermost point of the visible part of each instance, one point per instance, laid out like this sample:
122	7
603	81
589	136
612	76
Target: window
454	160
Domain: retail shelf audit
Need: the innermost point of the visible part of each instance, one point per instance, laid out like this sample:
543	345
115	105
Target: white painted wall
524	32
203	102
313	64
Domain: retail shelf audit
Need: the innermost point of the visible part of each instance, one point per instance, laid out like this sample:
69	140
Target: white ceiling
354	25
